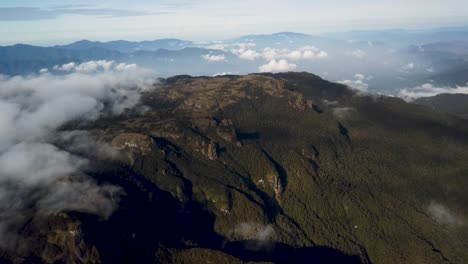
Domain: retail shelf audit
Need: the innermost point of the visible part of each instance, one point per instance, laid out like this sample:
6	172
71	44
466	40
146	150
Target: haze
53	22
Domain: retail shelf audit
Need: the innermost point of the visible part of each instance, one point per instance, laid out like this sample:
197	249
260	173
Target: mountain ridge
271	168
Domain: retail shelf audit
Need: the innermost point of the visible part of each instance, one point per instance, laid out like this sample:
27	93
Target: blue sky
48	22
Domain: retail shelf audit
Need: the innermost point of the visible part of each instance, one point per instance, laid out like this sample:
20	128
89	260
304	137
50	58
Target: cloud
258	236
222	74
238	47
304	53
65	67
125	67
359	83
37	163
247	54
329	103
343	112
218	46
428	90
277	66
244	45
214	58
92	67
442	215
42	168
81	196
33	13
358	53
409	67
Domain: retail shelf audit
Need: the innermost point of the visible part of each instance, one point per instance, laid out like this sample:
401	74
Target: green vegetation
279	168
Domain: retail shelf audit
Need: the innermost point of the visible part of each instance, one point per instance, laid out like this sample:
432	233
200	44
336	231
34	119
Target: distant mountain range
389	59
129	46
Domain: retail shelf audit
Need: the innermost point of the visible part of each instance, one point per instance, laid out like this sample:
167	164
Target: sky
49	22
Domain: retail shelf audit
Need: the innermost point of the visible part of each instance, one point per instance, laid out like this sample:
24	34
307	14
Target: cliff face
284	168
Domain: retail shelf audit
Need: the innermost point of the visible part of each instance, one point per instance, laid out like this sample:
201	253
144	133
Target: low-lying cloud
358	53
214	58
305	53
34	13
343	112
91	67
248	54
443	215
258	236
277	66
32	110
428	90
359	83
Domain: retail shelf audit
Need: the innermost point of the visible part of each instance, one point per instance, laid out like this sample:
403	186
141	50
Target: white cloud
65	67
234	46
93	66
32	108
259	236
244	45
443	215
358	53
330	103
246	54
322	55
217	47
35	163
43	70
304	53
214	58
222	74
409	67
125	67
428	90
343	112
359	76
277	66
359	83
269	54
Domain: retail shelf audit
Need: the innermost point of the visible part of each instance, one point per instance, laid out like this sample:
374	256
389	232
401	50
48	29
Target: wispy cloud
443	215
358	53
214	58
34	13
359	83
32	109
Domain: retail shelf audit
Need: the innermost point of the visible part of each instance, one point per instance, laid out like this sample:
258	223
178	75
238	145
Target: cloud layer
33	13
247	52
214	58
428	90
32	109
359	83
277	66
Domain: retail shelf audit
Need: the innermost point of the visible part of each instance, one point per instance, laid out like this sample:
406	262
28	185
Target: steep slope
284	168
456	104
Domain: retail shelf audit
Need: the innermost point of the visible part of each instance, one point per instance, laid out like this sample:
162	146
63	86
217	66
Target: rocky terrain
284	168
